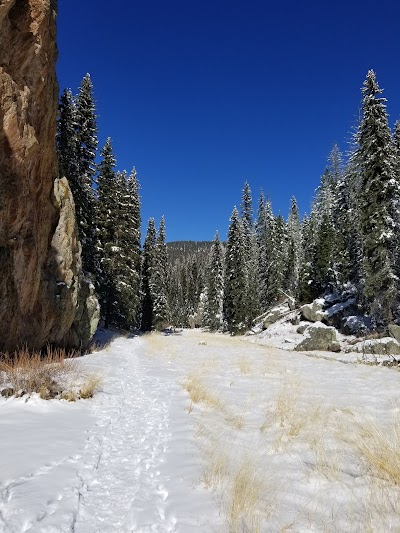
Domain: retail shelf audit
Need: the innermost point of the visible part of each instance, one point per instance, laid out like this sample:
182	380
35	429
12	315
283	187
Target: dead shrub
53	374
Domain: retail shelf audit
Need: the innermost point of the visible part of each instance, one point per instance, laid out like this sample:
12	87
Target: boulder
394	331
319	337
314	311
384	346
40	253
355	325
275	314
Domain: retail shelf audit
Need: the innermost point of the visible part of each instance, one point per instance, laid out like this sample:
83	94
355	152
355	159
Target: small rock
7	393
318	337
334	347
301	329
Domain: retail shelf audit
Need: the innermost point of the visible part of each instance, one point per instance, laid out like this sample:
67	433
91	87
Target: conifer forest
347	245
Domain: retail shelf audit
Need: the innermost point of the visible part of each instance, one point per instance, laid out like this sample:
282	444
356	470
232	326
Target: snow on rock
275	314
339	307
355	324
319	337
384	346
314	311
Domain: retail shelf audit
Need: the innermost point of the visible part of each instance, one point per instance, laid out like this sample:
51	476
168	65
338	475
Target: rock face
41	281
319	337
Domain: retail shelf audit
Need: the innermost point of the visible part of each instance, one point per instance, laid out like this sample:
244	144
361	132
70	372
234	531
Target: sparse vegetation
246	498
55	374
198	393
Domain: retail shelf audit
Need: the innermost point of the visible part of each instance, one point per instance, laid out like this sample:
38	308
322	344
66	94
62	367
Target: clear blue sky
203	95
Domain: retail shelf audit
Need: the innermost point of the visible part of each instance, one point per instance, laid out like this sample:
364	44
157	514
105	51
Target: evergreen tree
235	276
126	272
279	261
147	269
86	121
252	302
135	220
158	279
108	201
307	282
246	207
67	141
396	145
379	197
294	254
335	160
87	142
346	222
215	286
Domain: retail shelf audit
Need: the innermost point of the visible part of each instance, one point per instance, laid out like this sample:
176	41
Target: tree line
348	244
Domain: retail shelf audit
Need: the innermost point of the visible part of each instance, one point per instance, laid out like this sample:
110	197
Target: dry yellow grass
53	375
198	393
27	372
380	449
248	498
215	468
91	383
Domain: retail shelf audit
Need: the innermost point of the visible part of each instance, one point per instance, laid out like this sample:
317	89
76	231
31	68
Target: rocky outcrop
41	281
319	337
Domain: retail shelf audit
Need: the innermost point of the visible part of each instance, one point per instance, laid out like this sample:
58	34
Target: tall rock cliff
43	298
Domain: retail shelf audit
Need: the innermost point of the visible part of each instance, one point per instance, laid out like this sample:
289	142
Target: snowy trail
147	456
128	445
135	471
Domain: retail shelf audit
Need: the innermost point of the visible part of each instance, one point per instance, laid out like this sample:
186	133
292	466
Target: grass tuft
54	374
198	393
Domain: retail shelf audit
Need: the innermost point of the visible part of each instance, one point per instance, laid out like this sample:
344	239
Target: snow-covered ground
204	432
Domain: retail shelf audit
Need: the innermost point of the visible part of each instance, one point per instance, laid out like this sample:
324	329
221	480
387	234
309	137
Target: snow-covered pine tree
270	255
86	120
307	284
250	243
158	280
396	144
246	207
147	269
126	276
279	257
294	254
87	143
262	238
215	286
335	160
347	242
133	189
322	209
108	201
379	195
235	276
